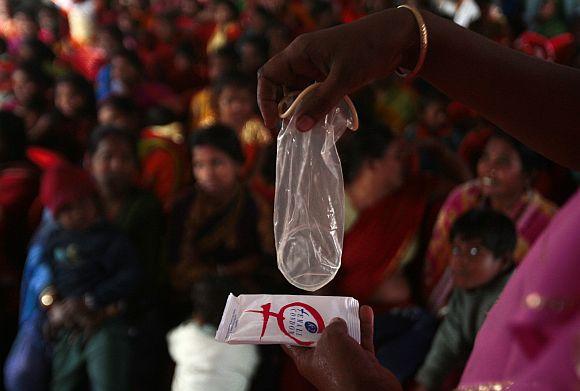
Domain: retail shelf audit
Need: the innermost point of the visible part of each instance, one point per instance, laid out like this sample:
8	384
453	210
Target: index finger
290	68
267	102
367	328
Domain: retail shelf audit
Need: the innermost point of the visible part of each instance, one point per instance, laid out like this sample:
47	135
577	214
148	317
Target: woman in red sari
387	215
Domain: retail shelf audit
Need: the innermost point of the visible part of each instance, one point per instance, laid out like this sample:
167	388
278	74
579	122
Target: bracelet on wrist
423	45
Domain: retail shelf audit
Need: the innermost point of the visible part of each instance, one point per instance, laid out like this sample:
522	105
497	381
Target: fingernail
305	123
336	320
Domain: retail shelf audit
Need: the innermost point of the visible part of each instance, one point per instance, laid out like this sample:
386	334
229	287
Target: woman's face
500	170
214	171
113	166
124	71
236	106
109	116
25	89
68	100
218	66
223	14
389	169
25	25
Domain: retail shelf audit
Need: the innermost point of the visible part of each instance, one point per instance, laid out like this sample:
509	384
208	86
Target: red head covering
63	184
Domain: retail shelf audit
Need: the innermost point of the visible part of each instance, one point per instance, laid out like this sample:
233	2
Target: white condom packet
284	319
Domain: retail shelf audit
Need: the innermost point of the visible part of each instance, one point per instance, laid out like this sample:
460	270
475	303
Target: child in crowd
73	117
30	85
109	40
94	271
254	51
227	26
201	362
202	108
483	242
128	80
163	155
119	112
113	163
236	105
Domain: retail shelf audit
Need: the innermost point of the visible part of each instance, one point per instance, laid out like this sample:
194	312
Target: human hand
343	58
338	362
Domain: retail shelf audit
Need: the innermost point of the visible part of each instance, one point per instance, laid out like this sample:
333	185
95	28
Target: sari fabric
206	233
379	240
530	339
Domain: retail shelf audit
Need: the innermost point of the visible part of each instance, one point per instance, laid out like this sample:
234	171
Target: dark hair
83	87
36	73
264	13
50	9
13	134
120	103
42	52
114	31
3	45
187	50
28	11
209	296
368	143
531	161
235	80
160	115
227	52
495	230
130	56
220	137
258	41
101	133
231	5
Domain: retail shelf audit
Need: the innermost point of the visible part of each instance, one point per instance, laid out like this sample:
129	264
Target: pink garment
531	337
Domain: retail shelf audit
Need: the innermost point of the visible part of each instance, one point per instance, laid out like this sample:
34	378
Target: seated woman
73	118
386	220
504	174
113	163
386	214
217	227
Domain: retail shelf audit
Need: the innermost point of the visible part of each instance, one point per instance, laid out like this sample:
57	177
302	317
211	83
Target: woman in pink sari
530	339
504	183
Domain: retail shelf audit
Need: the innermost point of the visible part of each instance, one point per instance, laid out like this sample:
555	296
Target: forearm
525	96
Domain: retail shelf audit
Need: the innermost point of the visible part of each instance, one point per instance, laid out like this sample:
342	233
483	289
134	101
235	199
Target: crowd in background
137	191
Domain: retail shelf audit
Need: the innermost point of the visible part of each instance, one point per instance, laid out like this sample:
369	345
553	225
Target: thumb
317	103
336	326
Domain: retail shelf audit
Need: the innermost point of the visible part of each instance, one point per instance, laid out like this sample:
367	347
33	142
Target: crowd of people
137	191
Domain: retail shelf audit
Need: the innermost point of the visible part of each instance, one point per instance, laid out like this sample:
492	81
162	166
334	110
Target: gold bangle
424	43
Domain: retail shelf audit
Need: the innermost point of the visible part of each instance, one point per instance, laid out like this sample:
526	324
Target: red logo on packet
303	320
